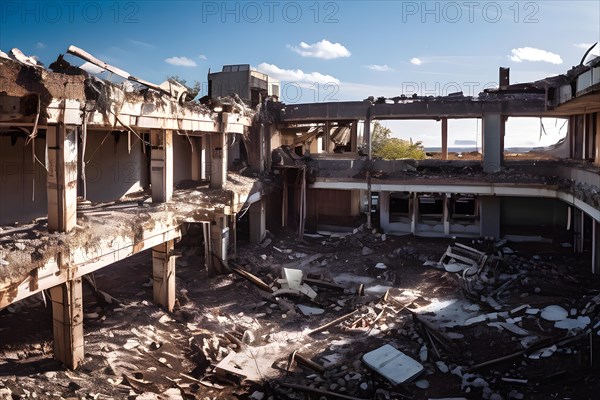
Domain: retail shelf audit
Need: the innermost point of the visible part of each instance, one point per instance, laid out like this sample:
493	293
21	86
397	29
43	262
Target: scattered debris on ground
340	315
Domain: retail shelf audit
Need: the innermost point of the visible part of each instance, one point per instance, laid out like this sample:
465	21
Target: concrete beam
161	165
512	105
62	178
163	275
67	322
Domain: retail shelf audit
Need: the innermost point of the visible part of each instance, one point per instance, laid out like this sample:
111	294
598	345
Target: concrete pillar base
67	317
257	219
161	165
163	275
490	216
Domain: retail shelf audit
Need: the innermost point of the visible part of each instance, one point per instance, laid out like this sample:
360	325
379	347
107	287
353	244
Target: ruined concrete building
93	172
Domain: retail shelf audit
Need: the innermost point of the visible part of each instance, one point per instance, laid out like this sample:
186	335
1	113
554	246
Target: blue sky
328	50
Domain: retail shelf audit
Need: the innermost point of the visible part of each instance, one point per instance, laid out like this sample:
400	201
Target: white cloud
416	61
139	43
295	75
323	49
379	68
202	57
584	46
533	54
181	62
40	45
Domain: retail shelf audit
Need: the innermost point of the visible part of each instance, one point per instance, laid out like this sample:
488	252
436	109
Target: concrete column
490	216
262	135
444	138
163	274
257	219
218	145
62	178
581	246
367	138
205	157
219	243
493	132
196	159
595	247
384	211
67	322
446	216
577	230
414	212
354	137
597	141
161	165
355	209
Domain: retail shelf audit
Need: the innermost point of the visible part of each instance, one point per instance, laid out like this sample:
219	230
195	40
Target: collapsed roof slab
109	232
36	94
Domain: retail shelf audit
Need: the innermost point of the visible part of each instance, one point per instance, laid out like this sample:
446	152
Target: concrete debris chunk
291	283
393	364
573	323
554	313
306	310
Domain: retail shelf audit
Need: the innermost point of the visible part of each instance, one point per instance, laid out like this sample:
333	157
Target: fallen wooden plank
234	340
250	277
324	284
300	359
334	322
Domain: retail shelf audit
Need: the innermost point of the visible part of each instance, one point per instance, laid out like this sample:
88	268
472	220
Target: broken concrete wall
111	171
22	182
531	216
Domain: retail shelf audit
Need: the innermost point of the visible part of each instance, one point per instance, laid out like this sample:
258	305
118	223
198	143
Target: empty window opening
431	205
399	206
464	206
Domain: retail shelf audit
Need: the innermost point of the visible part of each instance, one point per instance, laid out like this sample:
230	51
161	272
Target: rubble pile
347	315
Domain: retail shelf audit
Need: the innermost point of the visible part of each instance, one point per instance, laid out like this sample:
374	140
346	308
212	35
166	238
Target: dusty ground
134	349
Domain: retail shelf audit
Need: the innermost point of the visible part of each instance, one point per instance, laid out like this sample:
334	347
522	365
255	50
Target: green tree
193	90
385	146
379	135
394	149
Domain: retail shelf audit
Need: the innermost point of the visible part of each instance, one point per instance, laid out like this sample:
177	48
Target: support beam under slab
163	274
67	322
490	216
62	178
493	142
161	165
